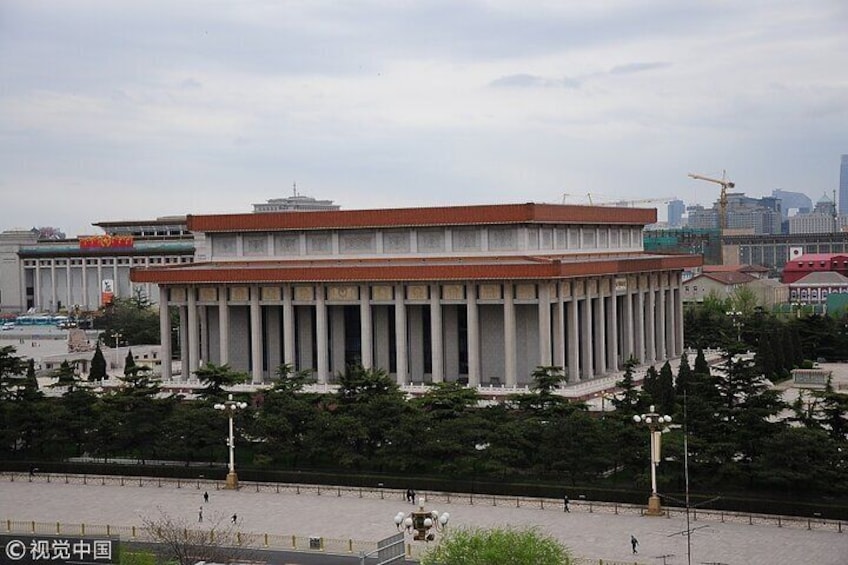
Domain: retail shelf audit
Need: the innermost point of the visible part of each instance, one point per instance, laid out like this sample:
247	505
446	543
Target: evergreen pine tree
31	383
665	387
684	375
129	363
98	365
701	366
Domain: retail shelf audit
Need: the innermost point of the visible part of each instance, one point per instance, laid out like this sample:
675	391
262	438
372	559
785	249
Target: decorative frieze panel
565	290
643	282
396	241
239	294
466	239
525	291
579	288
503	239
604	286
592	287
431	241
178	294
620	284
208	294
320	243
453	292
349	292
417	292
589	240
489	292
255	244
573	238
223	245
271	294
382	292
358	242
561	238
304	293
286	244
546	240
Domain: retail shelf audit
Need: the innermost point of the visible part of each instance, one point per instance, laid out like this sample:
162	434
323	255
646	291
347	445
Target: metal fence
294	542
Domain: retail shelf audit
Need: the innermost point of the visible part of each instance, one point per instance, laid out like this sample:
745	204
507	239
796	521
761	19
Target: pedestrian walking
634	543
565	507
200	515
206	497
234	518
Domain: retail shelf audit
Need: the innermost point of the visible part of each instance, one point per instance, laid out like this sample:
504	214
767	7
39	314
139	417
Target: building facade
474	294
77	274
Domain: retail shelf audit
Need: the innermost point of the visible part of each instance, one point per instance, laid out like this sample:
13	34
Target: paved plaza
348	514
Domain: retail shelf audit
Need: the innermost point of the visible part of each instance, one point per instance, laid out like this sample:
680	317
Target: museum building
476	294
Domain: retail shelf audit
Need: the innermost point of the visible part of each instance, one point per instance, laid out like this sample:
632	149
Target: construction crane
722	199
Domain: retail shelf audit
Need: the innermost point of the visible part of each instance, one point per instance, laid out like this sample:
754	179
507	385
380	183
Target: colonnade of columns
475	332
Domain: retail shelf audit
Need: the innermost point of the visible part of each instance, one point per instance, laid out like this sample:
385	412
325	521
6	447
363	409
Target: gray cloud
523	80
637	68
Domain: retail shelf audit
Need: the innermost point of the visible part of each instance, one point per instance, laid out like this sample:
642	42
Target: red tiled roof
433	216
734	268
727	278
405	270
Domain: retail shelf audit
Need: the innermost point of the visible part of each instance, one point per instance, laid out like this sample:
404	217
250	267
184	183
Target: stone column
612	326
639	328
510	367
193	327
545	324
573	343
586	340
678	319
651	329
203	319
321	334
662	352
437	341
365	327
628	324
256	357
223	325
164	334
559	329
184	345
289	348
601	339
401	351
473	336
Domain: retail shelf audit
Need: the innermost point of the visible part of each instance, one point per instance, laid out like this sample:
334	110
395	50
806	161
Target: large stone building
65	275
476	294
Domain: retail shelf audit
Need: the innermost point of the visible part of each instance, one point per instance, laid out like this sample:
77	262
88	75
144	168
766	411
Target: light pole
422	523
735	316
655	423
230	406
117	336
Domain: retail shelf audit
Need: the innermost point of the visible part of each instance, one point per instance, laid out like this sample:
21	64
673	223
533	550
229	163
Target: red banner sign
105	241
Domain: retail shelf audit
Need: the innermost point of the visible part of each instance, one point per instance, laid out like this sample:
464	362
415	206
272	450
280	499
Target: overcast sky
113	110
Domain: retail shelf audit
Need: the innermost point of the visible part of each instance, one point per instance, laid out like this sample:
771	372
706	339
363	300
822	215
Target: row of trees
740	433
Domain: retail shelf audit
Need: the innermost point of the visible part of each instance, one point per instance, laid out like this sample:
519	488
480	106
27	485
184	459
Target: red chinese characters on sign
105	241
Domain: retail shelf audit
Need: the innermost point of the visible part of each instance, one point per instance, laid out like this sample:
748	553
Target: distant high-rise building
843	186
295	203
676	208
797	201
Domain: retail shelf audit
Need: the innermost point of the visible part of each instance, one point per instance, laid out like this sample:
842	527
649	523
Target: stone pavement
345	515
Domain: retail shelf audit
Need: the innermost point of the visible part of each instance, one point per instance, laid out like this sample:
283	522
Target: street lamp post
117	336
655	423
735	317
230	407
422	523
